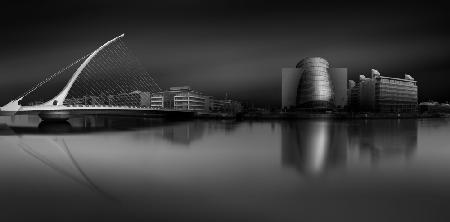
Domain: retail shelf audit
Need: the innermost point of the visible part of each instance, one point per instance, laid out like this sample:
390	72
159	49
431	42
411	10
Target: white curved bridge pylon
108	73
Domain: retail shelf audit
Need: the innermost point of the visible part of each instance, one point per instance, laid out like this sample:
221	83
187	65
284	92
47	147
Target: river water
123	169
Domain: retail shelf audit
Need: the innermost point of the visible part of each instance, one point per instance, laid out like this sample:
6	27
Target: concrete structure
384	94
313	86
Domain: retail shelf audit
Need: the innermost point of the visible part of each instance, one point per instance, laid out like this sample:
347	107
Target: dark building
339	79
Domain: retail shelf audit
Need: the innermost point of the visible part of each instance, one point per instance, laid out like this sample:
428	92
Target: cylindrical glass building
315	89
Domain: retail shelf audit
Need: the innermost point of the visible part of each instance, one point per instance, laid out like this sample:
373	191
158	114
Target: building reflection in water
383	139
185	133
312	147
317	146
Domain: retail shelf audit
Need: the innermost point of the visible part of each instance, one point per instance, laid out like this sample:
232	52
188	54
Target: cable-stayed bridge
107	81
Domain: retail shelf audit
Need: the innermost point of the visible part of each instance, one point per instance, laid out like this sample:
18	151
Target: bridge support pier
55	116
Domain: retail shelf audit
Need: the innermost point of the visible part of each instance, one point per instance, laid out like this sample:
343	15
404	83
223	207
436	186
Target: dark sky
237	47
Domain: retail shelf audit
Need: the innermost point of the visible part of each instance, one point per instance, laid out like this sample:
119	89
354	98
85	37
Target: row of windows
396	88
189	98
398	82
395	103
397	94
394	92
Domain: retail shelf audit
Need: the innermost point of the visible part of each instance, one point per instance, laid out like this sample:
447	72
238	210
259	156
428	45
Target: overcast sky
235	47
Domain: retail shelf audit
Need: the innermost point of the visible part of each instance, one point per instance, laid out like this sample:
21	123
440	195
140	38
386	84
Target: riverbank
302	115
298	115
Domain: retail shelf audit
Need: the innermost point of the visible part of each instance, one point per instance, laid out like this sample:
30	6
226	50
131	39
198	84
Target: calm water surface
97	169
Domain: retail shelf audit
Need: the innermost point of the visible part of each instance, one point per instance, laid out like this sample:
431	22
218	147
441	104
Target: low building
216	105
184	98
434	107
180	98
231	106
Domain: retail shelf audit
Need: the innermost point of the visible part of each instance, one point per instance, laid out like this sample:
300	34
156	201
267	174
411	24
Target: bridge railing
114	106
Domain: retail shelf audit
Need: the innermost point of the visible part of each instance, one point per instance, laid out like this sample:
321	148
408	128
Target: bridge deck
65	112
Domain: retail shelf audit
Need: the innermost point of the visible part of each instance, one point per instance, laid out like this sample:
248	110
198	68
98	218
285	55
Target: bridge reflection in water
314	147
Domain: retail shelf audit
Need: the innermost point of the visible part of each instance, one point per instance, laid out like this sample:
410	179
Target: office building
162	100
184	98
180	98
384	94
188	99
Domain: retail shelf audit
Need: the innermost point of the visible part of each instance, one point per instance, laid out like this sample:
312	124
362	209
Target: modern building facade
180	98
314	86
315	89
190	100
384	94
184	98
162	100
